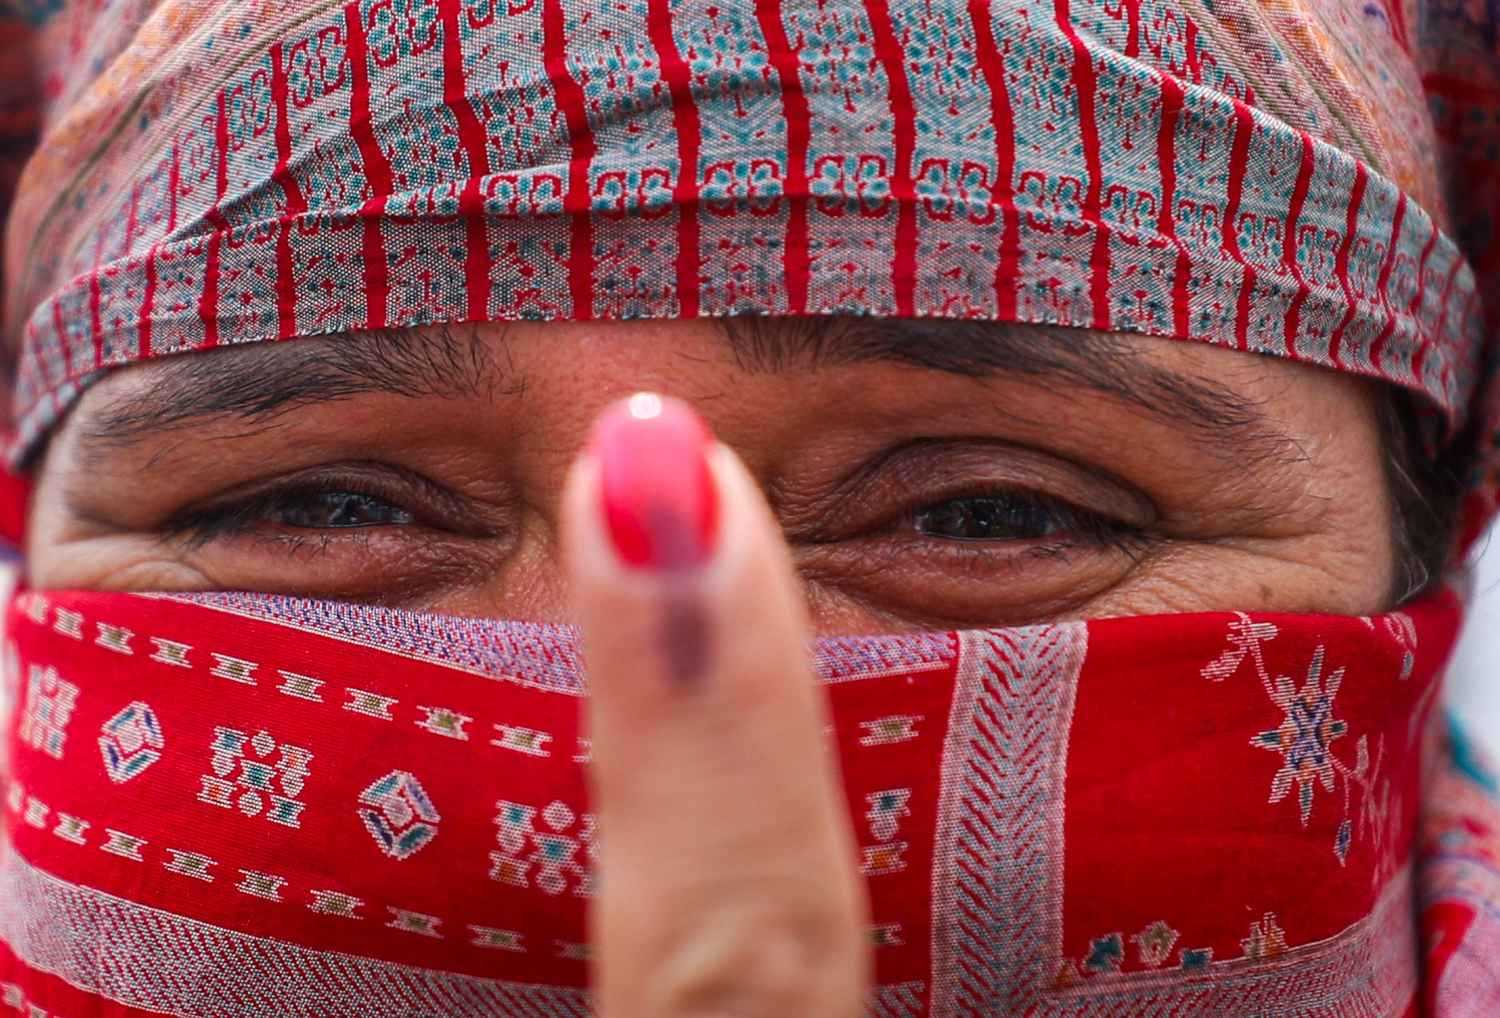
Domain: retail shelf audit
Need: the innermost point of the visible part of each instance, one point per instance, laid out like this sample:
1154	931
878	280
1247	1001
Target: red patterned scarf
248	805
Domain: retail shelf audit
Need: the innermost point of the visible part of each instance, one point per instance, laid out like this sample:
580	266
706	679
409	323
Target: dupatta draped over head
238	804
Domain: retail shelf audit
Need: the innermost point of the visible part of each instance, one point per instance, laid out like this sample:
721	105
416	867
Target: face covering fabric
251	805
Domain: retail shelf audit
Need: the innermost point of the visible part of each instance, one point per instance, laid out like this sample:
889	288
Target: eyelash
1080	527
198	527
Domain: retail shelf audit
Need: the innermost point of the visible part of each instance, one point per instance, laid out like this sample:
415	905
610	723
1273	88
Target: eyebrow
258	382
1110	364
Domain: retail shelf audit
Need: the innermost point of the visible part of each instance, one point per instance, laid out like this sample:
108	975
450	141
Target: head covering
1253	177
245	805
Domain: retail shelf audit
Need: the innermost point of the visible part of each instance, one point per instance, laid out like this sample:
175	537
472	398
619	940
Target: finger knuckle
791	963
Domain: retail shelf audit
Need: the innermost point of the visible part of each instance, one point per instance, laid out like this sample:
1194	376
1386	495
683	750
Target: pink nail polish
658	498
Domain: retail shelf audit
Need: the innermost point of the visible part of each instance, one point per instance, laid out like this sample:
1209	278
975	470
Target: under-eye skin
973	532
335	498
947	531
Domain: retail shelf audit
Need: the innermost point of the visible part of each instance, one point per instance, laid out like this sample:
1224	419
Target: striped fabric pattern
238	174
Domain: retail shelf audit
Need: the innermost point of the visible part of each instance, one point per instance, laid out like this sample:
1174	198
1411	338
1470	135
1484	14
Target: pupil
989	519
342	509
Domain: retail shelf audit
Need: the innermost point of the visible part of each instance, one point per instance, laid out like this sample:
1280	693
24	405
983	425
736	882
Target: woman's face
927	474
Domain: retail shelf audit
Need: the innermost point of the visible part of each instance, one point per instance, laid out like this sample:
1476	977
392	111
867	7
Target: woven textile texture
246	805
1255	176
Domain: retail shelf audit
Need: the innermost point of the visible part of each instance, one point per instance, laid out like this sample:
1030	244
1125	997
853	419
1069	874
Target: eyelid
901	480
237	510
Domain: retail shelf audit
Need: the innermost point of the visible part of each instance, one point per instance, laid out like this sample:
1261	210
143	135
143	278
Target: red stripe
1398	24
1084	84
1194	58
1133	32
1166	222
796	257
581	135
96	325
208	302
1341	264
1003	198
685	119
1239	158
62	338
96	322
1378	347
286	283
903	185
148	303
1289	243
376	169
476	147
174	182
132	219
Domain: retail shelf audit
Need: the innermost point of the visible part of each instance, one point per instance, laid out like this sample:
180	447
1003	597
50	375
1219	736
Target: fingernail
658	499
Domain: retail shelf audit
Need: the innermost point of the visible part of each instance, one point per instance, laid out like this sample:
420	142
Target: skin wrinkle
1103	362
275	378
807	407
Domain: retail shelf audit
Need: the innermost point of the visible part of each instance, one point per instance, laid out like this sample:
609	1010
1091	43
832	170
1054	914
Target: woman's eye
994	518
335	509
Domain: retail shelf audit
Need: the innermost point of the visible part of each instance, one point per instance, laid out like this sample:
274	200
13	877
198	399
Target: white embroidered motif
68	623
369	704
398	814
1305	736
49	706
130	742
71	828
303	687
414	922
36	812
115	638
190	864
884	815
36	607
553	851
234	669
335	903
445	722
530	741
499	940
126	846
261	885
170	652
888	730
244	765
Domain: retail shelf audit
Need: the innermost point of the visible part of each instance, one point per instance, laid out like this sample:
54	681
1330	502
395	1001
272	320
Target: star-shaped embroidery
1305	734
